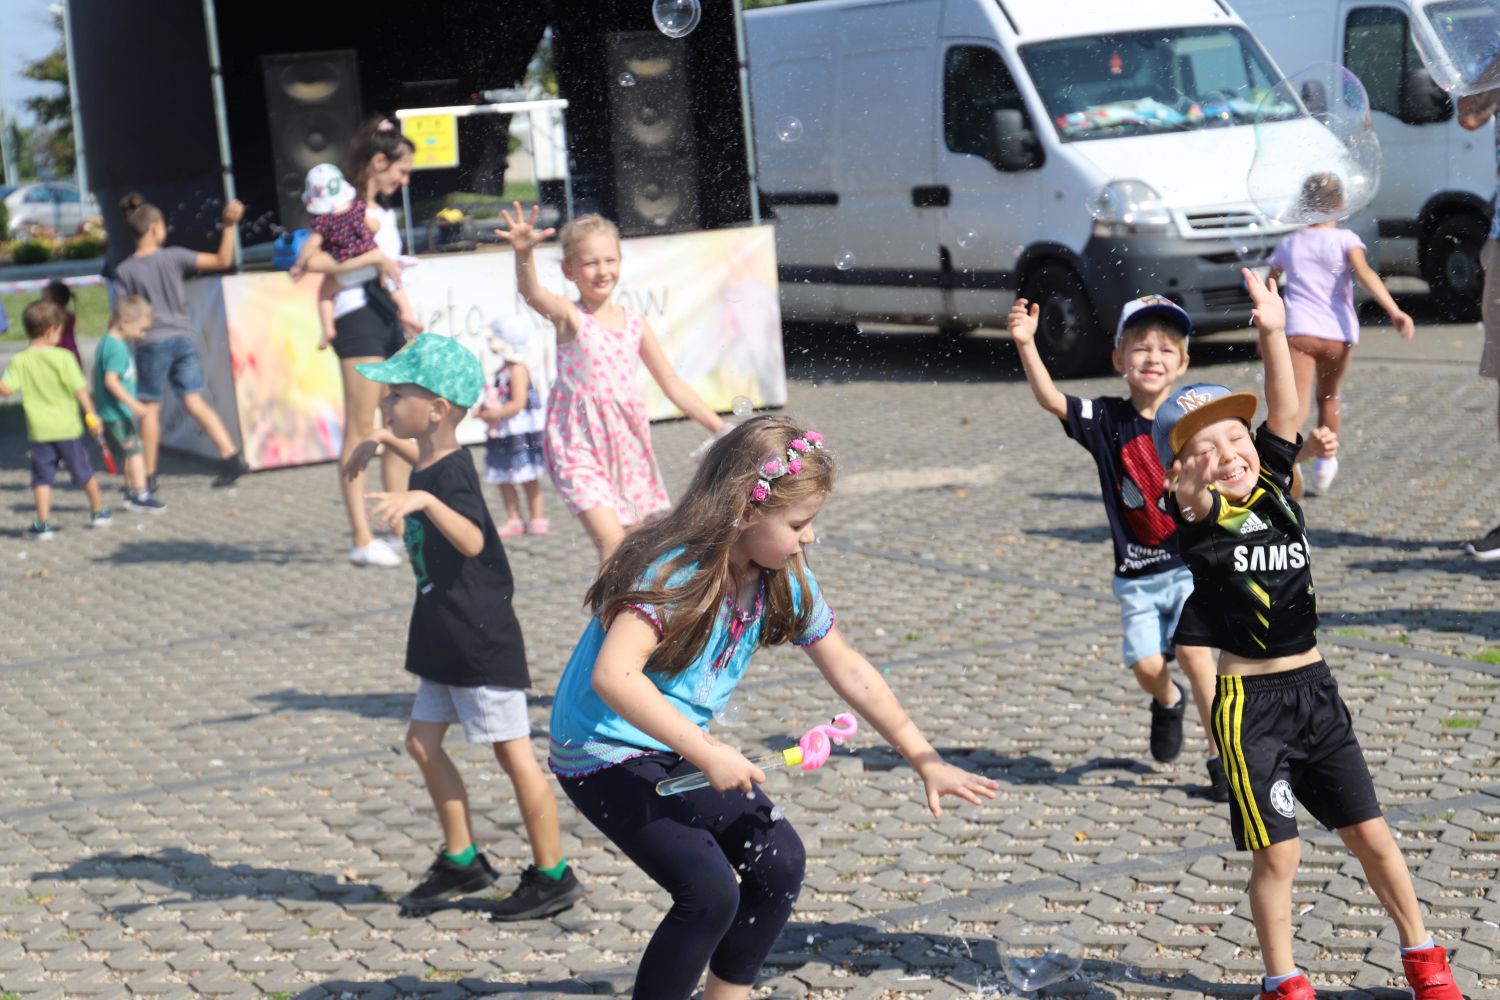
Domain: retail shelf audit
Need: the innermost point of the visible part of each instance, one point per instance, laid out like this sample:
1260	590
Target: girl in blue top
678	610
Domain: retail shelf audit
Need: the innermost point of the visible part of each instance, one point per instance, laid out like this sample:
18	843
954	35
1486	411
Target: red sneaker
1430	977
1296	988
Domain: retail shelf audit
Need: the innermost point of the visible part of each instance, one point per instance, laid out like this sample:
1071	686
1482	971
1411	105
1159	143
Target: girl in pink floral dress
598	438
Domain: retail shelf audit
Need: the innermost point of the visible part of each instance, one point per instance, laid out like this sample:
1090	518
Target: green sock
463	858
557	871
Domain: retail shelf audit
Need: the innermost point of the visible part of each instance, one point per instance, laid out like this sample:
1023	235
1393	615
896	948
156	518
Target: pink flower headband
773	469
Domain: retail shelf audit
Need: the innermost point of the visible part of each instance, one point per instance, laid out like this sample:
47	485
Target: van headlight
1128	208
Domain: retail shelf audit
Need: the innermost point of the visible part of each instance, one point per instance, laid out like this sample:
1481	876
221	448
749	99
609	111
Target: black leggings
693	845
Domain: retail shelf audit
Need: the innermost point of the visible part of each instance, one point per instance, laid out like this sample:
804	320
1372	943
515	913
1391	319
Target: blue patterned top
588	735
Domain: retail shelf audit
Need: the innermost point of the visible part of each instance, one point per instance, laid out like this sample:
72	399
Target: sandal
539	526
511	528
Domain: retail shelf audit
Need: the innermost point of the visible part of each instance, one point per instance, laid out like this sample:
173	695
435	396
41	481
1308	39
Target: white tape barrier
37	284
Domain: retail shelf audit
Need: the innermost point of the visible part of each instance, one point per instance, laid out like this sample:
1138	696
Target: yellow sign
436	139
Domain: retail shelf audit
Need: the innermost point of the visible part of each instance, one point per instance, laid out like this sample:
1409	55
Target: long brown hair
377	136
703	526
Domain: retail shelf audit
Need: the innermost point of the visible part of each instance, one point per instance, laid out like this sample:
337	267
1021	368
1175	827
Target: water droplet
788	129
741	406
676	18
844	261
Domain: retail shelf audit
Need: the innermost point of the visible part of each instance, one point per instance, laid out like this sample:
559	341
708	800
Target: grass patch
1460	722
90	303
1491	655
1374	677
1352	633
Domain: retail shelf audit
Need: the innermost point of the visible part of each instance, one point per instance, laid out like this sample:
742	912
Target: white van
924	160
1432	212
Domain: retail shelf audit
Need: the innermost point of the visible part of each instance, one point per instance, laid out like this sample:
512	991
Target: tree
54	111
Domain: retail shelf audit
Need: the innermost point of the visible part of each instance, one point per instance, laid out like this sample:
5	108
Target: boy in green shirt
53	387
114	386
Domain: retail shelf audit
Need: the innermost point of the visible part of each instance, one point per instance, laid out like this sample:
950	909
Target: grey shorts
1489	360
488	714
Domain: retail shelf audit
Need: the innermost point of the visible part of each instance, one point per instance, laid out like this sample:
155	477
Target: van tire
1068	335
1450	265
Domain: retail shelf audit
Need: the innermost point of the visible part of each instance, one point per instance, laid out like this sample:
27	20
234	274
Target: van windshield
1166	80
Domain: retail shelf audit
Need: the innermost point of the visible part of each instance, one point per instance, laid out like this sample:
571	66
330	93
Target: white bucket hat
509	337
326	191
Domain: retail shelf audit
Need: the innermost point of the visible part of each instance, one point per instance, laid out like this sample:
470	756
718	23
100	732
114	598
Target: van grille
1222	222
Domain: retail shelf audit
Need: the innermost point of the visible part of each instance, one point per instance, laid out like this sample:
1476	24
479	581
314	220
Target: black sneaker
1486	549
444	879
1218	785
230	469
1166	727
538	896
144	503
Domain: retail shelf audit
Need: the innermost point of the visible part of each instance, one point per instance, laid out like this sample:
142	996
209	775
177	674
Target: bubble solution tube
810	753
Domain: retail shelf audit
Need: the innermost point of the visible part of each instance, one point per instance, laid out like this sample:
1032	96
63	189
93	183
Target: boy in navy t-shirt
1150	580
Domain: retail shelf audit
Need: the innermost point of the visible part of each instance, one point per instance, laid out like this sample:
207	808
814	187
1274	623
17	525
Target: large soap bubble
1316	155
1459	40
1039	954
676	18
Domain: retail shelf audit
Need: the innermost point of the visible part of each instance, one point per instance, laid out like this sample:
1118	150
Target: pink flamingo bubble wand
810	753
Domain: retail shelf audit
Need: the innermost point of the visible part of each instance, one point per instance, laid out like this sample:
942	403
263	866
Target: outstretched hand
1269	312
363	452
521	232
944	779
1022	321
234	211
390	509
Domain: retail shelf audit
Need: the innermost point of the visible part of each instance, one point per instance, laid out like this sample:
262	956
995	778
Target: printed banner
710	297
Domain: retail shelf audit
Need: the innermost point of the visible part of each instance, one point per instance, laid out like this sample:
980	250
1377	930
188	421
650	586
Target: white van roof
1040	19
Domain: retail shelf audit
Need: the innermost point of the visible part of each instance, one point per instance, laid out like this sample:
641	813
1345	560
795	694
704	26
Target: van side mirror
1422	101
1013	146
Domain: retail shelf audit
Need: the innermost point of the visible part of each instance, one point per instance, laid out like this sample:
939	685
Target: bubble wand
811	753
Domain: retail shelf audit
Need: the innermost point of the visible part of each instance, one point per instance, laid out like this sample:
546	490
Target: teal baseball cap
439	364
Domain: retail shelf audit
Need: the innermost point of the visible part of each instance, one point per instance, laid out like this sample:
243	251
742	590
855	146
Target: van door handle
931	196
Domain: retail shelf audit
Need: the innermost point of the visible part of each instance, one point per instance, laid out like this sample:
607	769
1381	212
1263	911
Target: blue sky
27	34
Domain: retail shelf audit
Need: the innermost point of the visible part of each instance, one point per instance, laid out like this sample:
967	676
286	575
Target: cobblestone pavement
205	793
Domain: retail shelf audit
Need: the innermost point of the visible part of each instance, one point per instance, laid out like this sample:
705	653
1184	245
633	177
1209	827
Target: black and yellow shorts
1286	737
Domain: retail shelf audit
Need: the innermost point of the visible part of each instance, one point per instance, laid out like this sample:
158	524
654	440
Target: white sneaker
377	553
394	542
1323	472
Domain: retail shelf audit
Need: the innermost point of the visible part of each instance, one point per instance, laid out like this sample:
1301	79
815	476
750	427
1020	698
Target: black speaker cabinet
312	99
651	133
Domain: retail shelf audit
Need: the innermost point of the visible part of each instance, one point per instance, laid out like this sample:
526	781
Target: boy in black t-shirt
1150	581
464	642
1285	733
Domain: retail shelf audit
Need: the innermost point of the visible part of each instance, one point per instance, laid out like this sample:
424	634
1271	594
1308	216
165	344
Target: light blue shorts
1149	608
488	714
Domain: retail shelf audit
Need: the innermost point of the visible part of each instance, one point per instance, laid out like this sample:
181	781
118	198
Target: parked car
53	205
927	161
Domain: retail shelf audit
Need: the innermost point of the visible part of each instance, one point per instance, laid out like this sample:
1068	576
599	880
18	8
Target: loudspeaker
651	134
312	99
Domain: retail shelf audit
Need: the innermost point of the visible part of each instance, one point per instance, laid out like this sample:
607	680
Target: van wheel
1450	265
1068	336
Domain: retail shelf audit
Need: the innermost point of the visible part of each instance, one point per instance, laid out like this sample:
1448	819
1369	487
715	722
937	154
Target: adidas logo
1253	524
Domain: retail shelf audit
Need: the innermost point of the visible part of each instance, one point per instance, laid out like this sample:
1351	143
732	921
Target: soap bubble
1460	43
676	18
967	238
1039	954
731	715
627	79
741	406
844	261
1103	203
788	129
1316	155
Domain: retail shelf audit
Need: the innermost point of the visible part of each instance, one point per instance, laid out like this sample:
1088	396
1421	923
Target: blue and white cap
1149	305
1192	407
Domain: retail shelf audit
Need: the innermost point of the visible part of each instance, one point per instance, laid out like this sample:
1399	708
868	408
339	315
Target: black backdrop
146	102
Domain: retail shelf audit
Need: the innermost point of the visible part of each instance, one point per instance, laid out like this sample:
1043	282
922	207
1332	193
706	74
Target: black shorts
1289	736
365	333
46	456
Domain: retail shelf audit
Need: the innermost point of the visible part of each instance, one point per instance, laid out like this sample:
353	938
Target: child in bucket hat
513	409
345	227
1284	732
464	642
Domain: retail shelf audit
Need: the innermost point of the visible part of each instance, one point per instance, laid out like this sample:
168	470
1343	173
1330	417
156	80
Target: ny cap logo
1192	399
